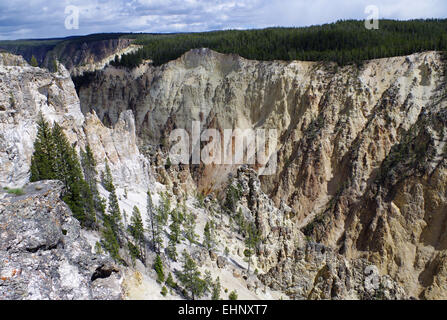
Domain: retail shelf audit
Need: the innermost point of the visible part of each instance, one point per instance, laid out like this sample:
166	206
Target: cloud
39	18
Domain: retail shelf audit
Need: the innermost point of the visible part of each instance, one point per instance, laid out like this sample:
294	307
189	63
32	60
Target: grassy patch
16	191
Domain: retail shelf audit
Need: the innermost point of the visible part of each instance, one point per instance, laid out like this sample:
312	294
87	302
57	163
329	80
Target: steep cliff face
361	150
25	92
43	251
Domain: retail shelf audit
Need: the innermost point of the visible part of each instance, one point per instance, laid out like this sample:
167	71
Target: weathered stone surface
316	272
42	253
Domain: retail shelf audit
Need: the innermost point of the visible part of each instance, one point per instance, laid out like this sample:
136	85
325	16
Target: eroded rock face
26	91
361	150
316	272
42	252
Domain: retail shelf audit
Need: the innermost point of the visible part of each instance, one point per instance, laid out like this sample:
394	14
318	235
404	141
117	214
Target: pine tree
68	169
137	230
172	250
109	240
55	158
170	282
114	210
190	227
33	62
153	221
43	155
164	208
158	267
174	235
107	179
190	277
208	240
88	163
175	226
216	288
134	251
252	240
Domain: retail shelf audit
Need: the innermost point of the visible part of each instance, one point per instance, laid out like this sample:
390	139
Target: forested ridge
344	42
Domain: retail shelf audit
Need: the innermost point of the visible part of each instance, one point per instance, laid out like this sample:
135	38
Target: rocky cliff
361	150
43	253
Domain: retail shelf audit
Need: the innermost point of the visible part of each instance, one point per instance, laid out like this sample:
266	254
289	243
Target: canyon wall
361	150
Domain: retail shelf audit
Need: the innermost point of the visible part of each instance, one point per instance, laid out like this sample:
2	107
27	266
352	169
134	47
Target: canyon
355	210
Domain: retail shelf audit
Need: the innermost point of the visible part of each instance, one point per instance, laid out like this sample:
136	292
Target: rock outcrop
26	91
43	254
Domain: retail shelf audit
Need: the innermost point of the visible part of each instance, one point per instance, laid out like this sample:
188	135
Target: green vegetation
112	225
251	241
174	234
164	291
233	195
170	282
216	288
343	42
106	178
233	295
34	62
136	230
15	191
208	236
55	158
158	267
190	277
190	226
153	221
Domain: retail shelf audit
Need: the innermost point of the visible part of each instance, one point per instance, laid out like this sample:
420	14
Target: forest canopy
344	42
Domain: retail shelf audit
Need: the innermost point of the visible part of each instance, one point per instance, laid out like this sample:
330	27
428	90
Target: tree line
344	42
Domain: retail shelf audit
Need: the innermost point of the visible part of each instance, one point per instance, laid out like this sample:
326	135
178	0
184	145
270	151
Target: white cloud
39	18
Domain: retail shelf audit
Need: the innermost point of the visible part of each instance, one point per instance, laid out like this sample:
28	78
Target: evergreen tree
164	208
153	221
134	252
33	62
109	239
252	240
170	282
107	179
68	169
88	163
55	158
190	227
175	226
158	267
114	210
174	234
240	220
43	155
172	250
208	240
190	277
216	288
137	230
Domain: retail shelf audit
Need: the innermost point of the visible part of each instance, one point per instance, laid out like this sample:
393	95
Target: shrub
233	295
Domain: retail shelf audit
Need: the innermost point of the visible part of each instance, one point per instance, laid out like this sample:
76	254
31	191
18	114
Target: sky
26	19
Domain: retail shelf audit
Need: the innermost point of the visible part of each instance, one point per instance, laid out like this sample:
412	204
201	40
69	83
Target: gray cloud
40	18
